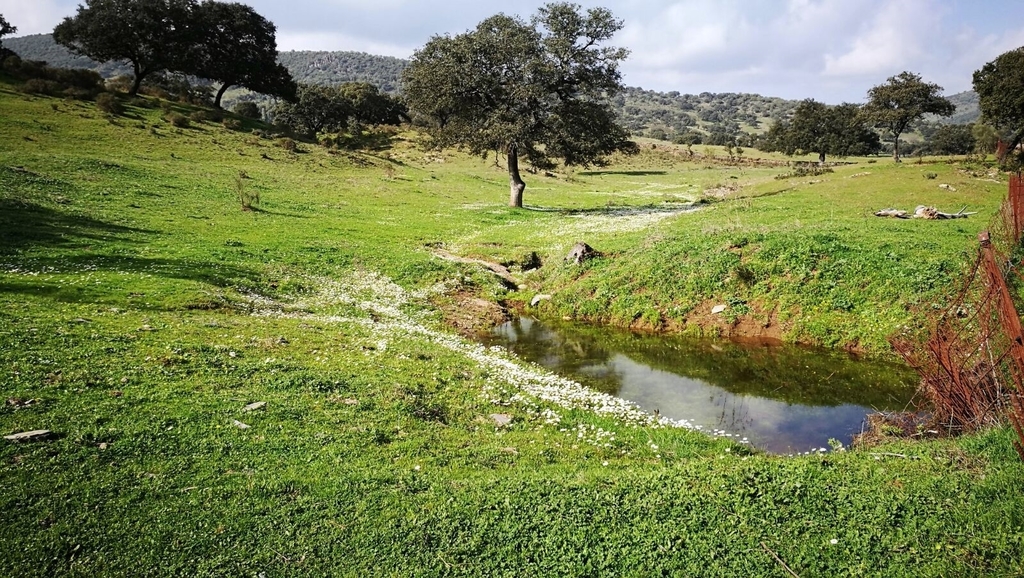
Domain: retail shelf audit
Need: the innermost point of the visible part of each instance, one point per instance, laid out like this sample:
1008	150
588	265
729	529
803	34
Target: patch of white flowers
390	317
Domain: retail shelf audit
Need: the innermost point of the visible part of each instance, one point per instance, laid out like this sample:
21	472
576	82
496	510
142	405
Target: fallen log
896	213
496	268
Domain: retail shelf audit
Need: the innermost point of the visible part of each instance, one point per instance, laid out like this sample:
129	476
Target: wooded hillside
665	115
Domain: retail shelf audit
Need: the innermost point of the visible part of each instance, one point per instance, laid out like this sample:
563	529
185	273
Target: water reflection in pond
783	398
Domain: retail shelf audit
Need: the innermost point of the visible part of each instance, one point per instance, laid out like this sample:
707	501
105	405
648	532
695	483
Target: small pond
783	398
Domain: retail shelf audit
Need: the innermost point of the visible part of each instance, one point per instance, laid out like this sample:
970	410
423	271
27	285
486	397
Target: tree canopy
237	46
319	109
368	105
1000	88
152	35
901	100
316	109
226	42
537	89
822	129
6	28
953	139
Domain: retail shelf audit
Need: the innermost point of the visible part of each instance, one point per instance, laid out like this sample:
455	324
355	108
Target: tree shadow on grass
622	210
217	274
626	173
25	224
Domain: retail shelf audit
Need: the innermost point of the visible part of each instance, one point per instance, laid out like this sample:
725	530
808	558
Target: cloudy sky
831	50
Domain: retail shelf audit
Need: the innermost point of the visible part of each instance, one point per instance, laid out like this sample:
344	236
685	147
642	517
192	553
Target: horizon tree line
538	89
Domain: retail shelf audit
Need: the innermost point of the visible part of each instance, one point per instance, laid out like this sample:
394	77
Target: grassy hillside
141	310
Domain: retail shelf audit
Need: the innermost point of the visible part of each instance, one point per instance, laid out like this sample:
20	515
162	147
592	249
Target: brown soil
887	426
470	315
759	325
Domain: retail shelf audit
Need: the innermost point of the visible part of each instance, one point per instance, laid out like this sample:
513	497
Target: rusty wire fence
972	362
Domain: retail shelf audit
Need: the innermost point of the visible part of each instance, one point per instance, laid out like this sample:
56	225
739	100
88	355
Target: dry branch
923	212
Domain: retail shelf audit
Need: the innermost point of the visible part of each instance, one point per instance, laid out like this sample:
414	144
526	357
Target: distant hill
967	110
42	47
664	115
305	66
336	67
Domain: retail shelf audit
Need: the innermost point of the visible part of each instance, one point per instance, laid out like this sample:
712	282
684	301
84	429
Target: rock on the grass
718	309
255	406
501	419
538	298
581	252
29	436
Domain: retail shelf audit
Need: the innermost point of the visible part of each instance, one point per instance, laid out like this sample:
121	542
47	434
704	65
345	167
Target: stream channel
783	398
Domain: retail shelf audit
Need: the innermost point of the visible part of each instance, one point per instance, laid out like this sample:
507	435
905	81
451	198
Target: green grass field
141	309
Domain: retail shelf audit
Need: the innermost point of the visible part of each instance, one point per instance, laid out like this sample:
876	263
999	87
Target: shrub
122	83
206	115
41	86
931	176
287	144
232	124
42	79
805	170
247	109
109	104
12	63
179	120
155	92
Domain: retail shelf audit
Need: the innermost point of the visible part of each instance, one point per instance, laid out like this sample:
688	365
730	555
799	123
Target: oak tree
825	130
238	47
316	109
151	35
953	139
6	28
1000	88
535	89
368	105
901	100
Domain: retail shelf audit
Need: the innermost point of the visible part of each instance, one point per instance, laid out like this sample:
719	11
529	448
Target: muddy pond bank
781	398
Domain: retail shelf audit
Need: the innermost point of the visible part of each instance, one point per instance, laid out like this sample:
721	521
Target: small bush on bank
206	115
179	120
288	144
39	78
122	83
109	104
805	170
247	109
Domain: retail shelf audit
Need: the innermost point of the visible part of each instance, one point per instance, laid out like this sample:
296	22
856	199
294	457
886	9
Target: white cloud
893	41
35	16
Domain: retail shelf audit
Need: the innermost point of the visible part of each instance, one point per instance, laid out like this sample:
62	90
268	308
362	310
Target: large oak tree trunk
516	184
896	148
220	93
136	83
